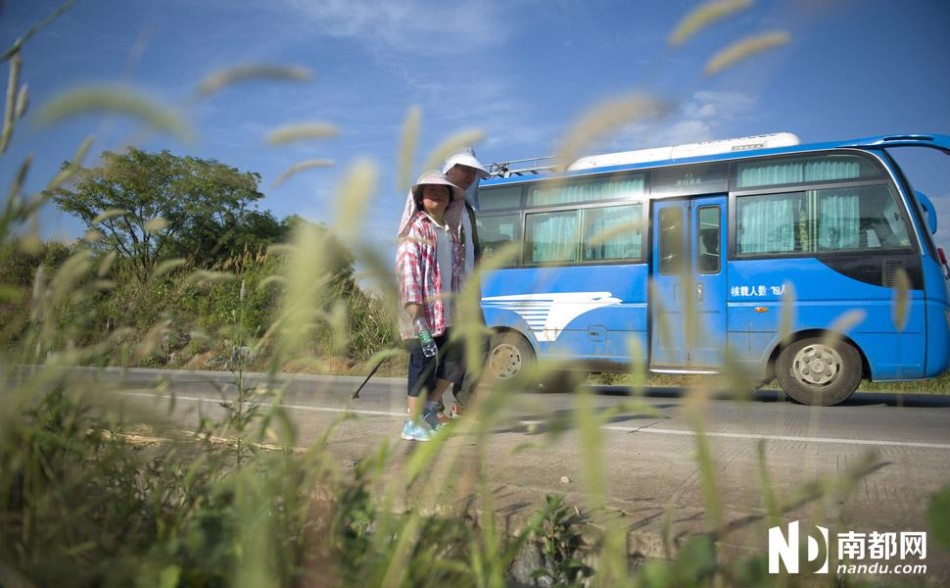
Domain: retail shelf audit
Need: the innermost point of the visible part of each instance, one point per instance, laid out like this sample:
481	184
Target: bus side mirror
931	212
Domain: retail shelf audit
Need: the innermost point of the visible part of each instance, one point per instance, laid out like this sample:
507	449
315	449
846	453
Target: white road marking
639	430
875	442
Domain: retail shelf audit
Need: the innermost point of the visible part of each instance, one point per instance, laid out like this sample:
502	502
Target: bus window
671	241
767	223
892	232
709	239
784	171
498	230
551	237
500	198
848	218
613	233
580	192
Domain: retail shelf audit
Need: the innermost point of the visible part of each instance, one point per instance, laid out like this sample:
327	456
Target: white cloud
687	131
727	106
705	116
407	26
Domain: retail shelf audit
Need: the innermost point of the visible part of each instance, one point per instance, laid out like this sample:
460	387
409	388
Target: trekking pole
381	358
371	372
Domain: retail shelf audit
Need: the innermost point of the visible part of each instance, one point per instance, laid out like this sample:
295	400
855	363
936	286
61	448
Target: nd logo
789	548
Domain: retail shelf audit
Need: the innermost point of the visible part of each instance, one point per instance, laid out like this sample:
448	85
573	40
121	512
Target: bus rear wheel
812	371
508	354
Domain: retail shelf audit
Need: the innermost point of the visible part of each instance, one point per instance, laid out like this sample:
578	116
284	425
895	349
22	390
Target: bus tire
815	372
508	354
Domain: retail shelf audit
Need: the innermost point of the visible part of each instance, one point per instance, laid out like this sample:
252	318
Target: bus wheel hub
505	361
816	365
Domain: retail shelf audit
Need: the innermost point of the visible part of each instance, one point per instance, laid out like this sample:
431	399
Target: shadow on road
895	399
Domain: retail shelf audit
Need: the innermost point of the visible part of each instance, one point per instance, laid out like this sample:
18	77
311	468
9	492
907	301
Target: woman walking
429	265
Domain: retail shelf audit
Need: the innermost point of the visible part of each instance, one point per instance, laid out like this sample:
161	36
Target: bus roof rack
522	167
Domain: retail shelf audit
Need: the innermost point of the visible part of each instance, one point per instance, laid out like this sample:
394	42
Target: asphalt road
894	450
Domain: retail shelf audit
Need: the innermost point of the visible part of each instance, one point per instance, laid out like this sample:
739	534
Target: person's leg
431	411
447	373
441	385
444	349
421	379
414	406
464	391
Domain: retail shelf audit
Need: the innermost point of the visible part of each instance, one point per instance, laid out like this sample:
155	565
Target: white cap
465	156
439	179
453	213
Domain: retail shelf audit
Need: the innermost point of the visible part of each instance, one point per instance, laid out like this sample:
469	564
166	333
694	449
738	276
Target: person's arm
414	311
411	289
409	270
473	237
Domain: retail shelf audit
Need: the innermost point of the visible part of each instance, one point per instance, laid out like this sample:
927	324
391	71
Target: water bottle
429	348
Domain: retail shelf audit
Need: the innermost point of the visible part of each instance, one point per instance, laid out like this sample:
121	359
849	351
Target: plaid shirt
420	281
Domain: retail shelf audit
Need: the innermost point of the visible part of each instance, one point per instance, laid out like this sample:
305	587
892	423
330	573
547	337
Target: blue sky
521	71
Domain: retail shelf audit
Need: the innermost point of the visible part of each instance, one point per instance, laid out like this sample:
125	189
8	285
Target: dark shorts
423	371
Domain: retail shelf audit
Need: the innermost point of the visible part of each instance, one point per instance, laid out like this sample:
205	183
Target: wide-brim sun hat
438	179
466	156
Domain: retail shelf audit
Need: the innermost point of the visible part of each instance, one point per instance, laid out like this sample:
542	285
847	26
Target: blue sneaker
413	431
432	419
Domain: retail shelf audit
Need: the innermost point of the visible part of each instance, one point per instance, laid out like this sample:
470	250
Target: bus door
688	295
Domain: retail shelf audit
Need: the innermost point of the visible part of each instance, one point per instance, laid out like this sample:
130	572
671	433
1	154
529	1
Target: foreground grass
94	493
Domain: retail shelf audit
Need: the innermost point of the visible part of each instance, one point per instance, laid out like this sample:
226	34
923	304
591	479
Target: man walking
464	170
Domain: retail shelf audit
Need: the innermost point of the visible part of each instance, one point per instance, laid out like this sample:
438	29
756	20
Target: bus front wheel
508	354
813	371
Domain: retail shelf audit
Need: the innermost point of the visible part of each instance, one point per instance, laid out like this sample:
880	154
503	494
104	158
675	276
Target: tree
211	242
152	206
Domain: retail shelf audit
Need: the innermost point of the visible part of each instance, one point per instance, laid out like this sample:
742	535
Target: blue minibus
813	264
